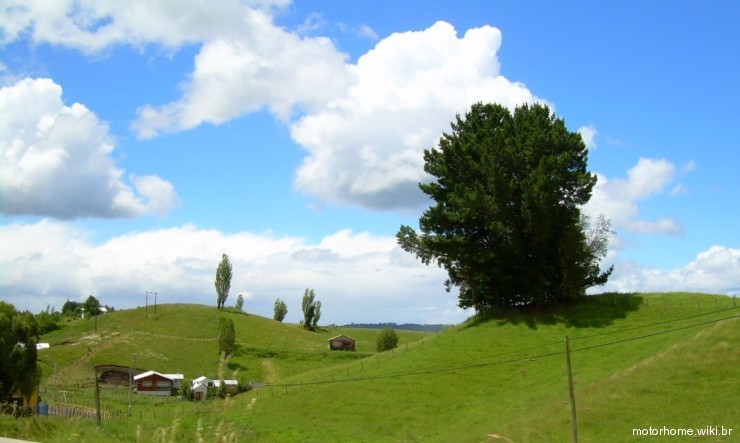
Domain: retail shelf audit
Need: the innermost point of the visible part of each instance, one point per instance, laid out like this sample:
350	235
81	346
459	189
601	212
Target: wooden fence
64	410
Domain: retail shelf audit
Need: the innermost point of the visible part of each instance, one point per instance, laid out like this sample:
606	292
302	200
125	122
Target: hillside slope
638	360
183	338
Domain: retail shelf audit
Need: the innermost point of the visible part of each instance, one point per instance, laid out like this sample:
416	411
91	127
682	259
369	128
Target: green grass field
639	361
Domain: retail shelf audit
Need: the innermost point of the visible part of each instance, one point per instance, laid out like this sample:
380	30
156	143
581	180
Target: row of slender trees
311	306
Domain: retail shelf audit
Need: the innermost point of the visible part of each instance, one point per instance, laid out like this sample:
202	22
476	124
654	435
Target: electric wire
468	365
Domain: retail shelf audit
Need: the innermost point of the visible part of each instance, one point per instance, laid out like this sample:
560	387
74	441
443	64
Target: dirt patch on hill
270	373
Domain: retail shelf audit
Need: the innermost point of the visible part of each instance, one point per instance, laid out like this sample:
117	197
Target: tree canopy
226	336
311	310
281	310
506	222
19	334
92	307
387	340
223	281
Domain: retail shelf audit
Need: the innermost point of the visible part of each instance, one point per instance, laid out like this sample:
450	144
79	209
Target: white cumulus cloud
267	68
94	25
365	147
363	126
619	198
55	160
716	270
357	276
588	133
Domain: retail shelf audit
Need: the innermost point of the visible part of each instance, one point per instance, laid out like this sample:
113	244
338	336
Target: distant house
154	383
341	343
200	386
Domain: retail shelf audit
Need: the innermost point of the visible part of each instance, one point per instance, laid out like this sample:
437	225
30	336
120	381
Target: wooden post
97	398
572	392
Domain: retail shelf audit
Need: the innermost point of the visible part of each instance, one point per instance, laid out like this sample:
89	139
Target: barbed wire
468	365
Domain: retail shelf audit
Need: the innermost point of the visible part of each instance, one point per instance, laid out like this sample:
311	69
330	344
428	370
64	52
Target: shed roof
146	374
342	338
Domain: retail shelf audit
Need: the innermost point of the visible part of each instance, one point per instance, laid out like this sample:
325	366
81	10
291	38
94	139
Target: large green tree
506	221
223	281
92	307
18	337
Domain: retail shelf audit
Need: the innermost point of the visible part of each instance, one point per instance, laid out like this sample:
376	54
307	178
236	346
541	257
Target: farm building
201	384
341	343
154	383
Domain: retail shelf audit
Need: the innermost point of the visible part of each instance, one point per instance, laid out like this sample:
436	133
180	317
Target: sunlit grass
638	360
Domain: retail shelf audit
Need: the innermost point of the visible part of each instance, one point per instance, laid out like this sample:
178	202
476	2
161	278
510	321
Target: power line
468	366
631	328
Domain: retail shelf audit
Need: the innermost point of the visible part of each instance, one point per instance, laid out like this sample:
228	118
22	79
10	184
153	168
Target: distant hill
403	327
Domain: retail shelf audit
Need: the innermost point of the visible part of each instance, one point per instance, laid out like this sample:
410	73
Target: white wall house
201	384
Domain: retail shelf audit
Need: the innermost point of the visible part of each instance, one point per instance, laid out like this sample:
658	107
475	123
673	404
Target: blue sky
141	140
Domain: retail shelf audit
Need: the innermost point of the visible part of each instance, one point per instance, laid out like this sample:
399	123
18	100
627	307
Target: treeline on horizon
404	326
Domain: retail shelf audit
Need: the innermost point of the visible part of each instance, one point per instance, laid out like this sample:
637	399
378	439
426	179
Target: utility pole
572	392
146	312
147	303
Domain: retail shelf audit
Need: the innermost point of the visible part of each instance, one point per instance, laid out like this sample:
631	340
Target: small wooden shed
341	343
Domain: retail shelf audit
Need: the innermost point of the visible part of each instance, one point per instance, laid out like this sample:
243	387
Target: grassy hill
183	339
638	361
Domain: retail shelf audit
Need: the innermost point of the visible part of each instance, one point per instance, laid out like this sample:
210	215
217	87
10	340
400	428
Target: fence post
97	395
572	392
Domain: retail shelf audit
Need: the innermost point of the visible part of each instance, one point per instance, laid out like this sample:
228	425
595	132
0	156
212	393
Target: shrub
387	340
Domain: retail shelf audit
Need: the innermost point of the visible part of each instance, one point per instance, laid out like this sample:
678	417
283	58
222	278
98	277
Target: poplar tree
223	281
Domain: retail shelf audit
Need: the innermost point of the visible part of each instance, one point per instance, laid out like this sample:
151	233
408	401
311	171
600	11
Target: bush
387	340
226	336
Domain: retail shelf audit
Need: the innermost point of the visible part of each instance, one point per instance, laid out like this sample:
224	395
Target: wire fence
697	314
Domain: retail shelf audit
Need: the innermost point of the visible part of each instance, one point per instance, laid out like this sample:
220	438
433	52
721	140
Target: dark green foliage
281	310
19	334
91	306
387	340
506	223
311	310
223	281
72	308
226	336
48	320
186	389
